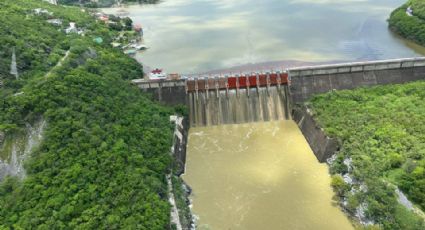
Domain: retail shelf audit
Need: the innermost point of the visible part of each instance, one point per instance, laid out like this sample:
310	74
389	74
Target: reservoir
194	36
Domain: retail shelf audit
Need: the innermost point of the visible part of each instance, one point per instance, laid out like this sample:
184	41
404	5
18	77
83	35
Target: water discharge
239	106
259	176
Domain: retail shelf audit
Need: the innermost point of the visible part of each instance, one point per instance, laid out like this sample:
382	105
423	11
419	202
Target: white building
72	28
157	74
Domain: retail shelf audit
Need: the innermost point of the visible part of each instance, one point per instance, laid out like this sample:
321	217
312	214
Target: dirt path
59	64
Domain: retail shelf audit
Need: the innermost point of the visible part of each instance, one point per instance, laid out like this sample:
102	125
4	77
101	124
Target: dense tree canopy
411	27
105	152
382	132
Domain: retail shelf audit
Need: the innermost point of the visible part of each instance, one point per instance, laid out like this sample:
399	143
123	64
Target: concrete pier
169	92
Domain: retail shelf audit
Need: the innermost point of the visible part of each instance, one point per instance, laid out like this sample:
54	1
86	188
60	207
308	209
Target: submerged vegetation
382	139
410	26
105	151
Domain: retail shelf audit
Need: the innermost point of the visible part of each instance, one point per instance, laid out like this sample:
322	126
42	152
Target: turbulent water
192	36
259	176
237	107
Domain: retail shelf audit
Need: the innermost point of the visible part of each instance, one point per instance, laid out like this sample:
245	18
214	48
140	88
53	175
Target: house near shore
104	18
139	29
73	29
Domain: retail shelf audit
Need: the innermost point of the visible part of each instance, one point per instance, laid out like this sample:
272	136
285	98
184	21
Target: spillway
249	165
238	106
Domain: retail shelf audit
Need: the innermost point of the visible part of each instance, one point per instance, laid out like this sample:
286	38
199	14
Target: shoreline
253	67
266	66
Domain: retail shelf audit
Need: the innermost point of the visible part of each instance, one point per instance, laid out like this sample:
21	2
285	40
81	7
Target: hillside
105	149
382	139
410	27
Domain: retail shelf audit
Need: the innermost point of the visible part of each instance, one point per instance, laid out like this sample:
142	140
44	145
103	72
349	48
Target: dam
203	36
266	96
238	99
247	173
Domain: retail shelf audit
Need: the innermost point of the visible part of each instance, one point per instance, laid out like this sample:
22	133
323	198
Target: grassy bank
105	151
382	139
410	27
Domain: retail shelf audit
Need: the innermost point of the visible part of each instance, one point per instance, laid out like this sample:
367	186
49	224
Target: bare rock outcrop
2	136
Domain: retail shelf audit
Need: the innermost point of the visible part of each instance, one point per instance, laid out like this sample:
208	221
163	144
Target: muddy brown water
259	176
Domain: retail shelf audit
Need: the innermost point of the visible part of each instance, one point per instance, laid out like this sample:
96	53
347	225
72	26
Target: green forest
381	131
410	27
105	151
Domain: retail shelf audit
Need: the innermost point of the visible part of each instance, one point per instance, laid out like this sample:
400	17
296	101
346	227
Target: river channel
262	175
259	176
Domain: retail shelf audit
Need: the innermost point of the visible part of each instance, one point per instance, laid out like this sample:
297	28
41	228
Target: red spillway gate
236	82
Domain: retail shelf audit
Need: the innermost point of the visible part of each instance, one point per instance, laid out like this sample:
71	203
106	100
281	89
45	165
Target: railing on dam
357	67
195	84
148	84
254	80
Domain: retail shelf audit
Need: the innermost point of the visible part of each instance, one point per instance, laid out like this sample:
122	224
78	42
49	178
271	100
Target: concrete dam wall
167	92
307	81
322	145
304	82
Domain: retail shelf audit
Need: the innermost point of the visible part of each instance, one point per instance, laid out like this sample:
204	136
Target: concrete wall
322	146
304	83
181	135
307	81
2	137
169	92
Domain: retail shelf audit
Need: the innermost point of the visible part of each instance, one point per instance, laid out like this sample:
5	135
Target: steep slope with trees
382	140
105	152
